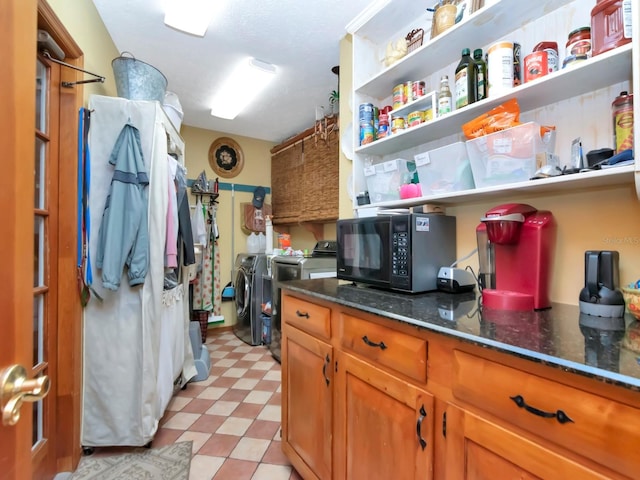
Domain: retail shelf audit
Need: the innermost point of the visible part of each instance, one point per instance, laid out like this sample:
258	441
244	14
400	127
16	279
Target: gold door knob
15	388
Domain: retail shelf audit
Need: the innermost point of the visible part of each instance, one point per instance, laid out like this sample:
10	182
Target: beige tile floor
232	417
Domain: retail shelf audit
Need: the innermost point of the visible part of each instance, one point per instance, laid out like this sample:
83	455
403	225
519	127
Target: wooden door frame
17	123
68	388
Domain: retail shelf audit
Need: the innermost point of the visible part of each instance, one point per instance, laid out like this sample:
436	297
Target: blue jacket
124	236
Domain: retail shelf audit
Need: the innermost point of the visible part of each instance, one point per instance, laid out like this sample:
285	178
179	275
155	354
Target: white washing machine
249	270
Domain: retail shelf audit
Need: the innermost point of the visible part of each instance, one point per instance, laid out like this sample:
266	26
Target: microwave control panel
400	254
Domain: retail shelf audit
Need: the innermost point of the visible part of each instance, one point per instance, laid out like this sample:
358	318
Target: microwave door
364	251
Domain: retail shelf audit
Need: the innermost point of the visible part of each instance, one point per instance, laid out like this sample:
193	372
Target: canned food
383	131
397	123
383	125
552	61
399	98
367	134
417	90
428	115
365	113
408	86
415	118
536	65
622	109
500	67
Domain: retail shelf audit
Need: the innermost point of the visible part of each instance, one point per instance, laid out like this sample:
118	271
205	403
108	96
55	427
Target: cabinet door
384	426
478	449
307	406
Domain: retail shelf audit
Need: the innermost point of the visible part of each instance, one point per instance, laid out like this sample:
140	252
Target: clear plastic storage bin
445	169
508	156
384	179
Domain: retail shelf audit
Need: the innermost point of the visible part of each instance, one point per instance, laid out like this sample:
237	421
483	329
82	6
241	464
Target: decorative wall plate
226	157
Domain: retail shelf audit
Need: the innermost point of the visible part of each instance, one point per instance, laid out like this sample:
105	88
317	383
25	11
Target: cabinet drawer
396	350
595	427
307	316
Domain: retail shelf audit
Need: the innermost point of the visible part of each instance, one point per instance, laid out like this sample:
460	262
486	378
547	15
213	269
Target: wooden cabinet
478	449
307	402
365	396
383	425
590	425
404	354
347	408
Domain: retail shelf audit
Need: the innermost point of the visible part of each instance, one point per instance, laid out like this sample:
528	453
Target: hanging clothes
123	238
207	290
198	224
185	237
171	241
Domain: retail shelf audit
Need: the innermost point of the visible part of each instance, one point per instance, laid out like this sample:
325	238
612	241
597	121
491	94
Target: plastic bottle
268	232
253	243
465	80
611	25
444	97
481	74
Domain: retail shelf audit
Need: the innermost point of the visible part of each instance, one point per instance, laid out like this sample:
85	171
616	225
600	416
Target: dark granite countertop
561	336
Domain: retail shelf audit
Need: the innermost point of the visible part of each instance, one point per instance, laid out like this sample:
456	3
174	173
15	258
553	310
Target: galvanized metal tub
137	80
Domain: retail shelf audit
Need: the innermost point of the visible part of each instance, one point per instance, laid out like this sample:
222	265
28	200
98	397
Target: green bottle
465	80
481	74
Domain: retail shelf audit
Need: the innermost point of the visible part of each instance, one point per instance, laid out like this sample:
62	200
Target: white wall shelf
576	99
588	76
487	25
552	185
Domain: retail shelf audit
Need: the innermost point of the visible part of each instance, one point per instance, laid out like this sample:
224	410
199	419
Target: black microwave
402	252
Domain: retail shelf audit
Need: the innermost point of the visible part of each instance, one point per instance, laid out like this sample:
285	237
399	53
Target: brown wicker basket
201	316
287	170
321	171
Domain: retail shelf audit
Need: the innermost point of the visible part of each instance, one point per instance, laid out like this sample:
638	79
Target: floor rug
166	463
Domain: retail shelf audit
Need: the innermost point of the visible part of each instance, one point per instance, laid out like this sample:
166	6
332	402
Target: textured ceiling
300	37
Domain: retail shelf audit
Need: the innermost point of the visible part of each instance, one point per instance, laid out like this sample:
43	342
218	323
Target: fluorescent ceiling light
191	16
242	86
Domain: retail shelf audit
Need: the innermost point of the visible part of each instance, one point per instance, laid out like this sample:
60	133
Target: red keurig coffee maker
515	249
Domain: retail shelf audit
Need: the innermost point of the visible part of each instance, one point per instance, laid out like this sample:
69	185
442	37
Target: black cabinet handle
423	415
559	415
327	360
366	340
444	424
302	314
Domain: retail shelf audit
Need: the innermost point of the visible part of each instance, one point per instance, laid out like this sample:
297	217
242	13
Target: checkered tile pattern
232	417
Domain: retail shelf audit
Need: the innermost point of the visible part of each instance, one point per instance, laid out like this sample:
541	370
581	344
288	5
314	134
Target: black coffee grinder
600	296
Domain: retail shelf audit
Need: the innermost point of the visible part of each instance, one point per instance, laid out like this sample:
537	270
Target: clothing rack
213	197
236	187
